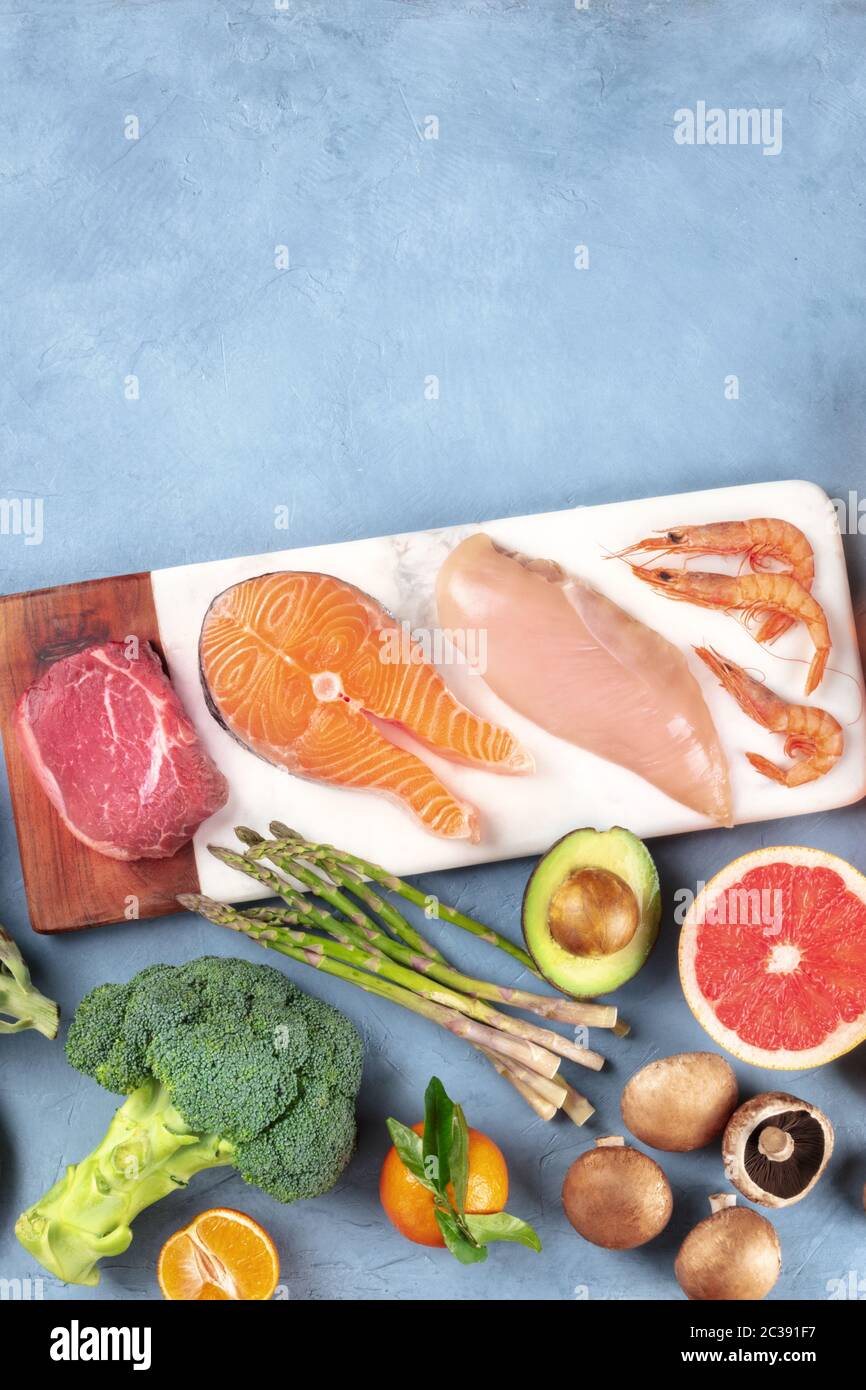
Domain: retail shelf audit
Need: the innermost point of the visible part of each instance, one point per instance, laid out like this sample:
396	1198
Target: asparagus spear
402	929
544	1109
527	1083
564	1010
335	872
378	964
542	1092
347	862
530	1055
356	954
369	957
349	867
412	895
545	1097
545	1037
576	1106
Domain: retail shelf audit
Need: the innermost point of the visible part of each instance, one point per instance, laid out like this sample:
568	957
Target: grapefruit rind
843	1039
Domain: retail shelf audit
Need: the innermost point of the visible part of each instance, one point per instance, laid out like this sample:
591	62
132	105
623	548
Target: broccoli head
224	1063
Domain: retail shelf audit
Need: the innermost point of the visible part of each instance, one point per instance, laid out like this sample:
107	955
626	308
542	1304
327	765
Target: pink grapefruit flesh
773	958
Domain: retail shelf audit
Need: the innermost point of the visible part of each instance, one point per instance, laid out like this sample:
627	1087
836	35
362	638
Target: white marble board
524	815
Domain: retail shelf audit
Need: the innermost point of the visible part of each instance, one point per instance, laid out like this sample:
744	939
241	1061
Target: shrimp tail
763	765
808	769
816	670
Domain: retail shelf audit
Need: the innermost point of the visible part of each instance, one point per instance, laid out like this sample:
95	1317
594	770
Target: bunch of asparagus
335	919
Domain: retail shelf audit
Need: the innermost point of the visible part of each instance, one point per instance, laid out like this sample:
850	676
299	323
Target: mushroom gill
775	1148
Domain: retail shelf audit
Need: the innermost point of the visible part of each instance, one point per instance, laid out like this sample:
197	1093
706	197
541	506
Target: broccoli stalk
21	1004
148	1151
223	1063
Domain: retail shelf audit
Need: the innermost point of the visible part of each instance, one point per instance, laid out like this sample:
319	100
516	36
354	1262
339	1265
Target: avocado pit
593	912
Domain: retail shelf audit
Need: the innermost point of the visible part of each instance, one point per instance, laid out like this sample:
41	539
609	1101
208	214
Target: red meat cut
114	750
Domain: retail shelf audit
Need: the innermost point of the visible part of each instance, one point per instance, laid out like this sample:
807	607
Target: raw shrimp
763	539
753	595
812	736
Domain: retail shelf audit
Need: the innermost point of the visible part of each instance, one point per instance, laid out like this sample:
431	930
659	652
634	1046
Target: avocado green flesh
621	853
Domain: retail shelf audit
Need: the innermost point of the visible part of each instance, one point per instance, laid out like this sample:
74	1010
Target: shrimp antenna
754	671
641	547
835	670
848	676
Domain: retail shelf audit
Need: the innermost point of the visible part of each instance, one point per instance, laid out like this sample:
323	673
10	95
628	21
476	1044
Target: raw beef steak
110	742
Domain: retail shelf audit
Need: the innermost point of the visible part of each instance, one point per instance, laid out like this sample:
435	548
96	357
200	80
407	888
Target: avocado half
591	911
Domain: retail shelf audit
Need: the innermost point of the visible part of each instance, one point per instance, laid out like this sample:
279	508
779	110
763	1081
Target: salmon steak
568	658
308	671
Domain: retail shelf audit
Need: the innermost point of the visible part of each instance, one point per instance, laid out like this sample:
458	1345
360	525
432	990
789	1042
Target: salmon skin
298	665
567	657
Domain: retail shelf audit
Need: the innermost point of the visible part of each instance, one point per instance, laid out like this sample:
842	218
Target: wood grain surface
69	886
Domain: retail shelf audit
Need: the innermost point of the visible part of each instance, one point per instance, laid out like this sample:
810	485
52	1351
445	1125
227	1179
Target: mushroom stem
610	1141
775	1143
720	1200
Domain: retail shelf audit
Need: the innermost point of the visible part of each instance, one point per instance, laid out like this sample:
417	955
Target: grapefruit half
773	958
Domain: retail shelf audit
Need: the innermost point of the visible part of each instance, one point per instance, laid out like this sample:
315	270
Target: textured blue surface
304	387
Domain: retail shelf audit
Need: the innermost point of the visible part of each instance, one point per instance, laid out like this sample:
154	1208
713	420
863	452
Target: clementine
409	1204
221	1255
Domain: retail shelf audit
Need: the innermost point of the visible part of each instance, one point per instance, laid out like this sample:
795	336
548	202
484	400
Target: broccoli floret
224	1063
289	1158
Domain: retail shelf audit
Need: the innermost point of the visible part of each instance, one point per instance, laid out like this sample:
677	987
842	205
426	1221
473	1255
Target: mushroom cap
732	1255
680	1103
617	1197
759	1178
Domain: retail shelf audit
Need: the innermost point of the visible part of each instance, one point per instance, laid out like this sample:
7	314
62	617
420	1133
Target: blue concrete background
260	386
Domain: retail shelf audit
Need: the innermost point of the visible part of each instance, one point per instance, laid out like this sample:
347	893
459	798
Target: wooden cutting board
69	886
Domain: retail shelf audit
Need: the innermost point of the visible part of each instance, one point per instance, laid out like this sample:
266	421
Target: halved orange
222	1254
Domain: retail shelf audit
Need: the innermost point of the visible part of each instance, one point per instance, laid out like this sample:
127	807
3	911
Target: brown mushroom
616	1196
733	1254
680	1103
775	1148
